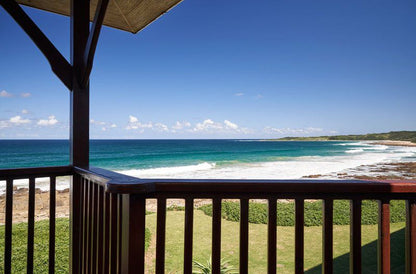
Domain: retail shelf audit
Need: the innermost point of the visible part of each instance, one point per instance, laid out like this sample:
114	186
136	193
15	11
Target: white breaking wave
289	168
358	150
168	171
294	168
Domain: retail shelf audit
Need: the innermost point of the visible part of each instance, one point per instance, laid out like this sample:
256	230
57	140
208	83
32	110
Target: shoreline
394	143
381	171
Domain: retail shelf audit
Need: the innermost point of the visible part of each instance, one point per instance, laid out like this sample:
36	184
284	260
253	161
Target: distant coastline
393	138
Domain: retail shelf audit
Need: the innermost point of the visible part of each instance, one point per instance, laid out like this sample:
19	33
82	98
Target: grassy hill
392	135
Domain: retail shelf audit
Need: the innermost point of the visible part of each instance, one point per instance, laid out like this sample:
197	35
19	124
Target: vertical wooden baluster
384	237
120	231
327	237
299	237
84	186
189	224
107	217
411	237
355	236
113	232
94	231
216	235
52	223
30	226
75	227
243	236
89	213
100	228
271	237
160	236
133	235
8	228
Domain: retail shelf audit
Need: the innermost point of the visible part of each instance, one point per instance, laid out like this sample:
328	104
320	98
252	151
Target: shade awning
128	15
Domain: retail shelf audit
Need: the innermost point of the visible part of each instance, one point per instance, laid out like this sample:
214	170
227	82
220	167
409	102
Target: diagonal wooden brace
59	64
92	41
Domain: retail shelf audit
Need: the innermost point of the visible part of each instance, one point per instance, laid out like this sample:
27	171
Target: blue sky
225	69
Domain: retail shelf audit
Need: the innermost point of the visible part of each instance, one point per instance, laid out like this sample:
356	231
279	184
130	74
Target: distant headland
390	138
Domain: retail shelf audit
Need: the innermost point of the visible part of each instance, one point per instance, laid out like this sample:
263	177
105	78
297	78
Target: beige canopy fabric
128	15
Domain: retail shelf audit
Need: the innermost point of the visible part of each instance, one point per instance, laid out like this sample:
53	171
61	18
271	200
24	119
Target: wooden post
79	122
133	233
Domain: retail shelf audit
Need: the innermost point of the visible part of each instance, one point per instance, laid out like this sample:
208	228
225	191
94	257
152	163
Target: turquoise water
207	158
144	154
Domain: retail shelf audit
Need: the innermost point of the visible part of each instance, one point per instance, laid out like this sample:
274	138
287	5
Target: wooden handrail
123	184
111	215
22	173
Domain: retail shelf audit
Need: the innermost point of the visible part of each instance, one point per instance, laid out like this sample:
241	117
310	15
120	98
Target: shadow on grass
369	257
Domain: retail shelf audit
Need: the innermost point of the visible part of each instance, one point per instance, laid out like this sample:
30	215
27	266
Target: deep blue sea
243	159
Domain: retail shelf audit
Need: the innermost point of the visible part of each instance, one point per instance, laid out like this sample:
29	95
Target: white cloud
17	120
134	123
25	111
113	125
133	119
230	125
259	96
25	94
180	125
227	127
297	131
48	122
239	94
161	127
4	124
94	122
4	93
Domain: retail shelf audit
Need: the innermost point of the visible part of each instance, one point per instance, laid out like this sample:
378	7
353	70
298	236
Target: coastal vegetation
258	213
392	135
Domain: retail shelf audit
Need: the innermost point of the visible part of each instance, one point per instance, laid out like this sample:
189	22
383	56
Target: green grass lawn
202	245
41	248
258	245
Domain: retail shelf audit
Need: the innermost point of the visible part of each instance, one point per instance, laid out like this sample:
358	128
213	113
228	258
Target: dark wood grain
30	226
244	236
410	236
8	228
271	237
189	225
327	236
113	232
216	235
299	235
107	217
100	232
355	236
133	236
161	236
52	223
59	64
383	237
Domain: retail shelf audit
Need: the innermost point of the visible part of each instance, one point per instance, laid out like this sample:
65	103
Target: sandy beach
395	143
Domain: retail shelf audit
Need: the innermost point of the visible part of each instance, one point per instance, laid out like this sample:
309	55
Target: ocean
226	159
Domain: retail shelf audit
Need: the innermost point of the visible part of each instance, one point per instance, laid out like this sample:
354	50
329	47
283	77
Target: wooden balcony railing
108	218
31	174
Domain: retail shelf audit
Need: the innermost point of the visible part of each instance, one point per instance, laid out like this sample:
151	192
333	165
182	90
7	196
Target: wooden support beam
59	64
79	124
92	41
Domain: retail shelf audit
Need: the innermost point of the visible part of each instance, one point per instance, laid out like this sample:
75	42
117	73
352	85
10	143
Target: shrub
313	212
